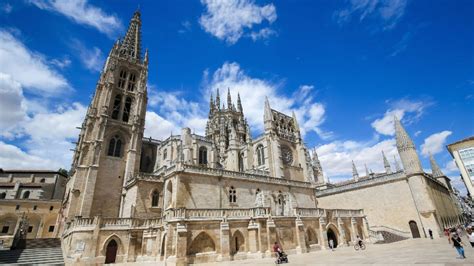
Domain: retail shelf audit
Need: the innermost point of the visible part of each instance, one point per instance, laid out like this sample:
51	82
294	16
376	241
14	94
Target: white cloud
405	109
6	8
81	12
185	27
228	20
92	59
47	135
388	11
435	143
264	34
61	63
29	68
336	157
13	157
12	105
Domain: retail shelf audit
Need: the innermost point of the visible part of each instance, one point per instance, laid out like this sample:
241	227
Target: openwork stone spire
436	171
406	149
131	43
229	99
386	164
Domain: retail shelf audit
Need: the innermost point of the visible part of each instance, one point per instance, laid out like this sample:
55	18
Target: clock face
286	155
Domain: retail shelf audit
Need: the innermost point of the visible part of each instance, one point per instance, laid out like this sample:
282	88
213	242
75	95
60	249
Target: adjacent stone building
463	154
34	196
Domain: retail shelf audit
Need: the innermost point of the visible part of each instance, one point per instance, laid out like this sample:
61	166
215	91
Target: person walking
331	244
471	237
430	232
457	243
446	234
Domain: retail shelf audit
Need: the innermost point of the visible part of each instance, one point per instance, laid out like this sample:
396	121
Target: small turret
386	164
367	173
435	170
406	149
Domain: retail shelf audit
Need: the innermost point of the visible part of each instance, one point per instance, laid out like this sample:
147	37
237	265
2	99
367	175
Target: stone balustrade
342	213
88	224
309	212
218	214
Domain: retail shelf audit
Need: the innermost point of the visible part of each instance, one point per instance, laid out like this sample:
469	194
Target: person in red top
277	249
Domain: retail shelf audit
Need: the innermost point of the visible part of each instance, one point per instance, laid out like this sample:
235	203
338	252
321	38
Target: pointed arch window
232	195
260	155
115	147
131	82
116	107
122	79
203	156
155	196
165	154
3	195
126	109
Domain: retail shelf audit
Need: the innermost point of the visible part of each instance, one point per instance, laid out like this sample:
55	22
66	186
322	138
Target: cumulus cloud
407	110
27	67
81	12
12	105
228	20
435	143
388	12
47	135
336	157
13	157
92	58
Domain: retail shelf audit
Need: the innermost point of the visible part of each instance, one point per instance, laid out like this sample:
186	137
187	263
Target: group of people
455	235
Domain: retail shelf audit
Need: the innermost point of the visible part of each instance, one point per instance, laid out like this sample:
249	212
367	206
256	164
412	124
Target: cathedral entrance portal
332	235
414	229
111	252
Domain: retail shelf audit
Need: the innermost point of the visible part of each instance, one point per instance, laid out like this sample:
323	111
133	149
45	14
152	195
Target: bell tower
108	149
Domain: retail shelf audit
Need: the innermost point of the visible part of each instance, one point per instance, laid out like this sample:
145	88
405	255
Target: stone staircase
36	251
389	235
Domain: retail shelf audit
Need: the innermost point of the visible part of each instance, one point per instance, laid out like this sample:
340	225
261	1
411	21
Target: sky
346	68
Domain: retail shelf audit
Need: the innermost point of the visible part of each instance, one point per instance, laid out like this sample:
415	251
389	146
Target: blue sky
344	67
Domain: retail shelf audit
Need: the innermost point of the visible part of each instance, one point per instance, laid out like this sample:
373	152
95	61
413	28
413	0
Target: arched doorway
202	243
111	252
332	235
163	247
414	229
238	243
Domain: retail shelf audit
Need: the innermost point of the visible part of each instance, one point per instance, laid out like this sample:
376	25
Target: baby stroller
282	257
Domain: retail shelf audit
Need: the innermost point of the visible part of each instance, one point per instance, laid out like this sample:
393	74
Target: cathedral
225	195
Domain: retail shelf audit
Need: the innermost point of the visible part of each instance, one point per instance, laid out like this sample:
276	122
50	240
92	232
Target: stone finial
386	164
436	171
229	99
239	104
355	174
267	116
218	99
397	165
367	173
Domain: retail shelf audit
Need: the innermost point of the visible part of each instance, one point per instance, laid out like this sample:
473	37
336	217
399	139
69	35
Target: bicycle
360	246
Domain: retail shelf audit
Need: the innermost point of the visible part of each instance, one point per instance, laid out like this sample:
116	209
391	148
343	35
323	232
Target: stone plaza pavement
412	251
